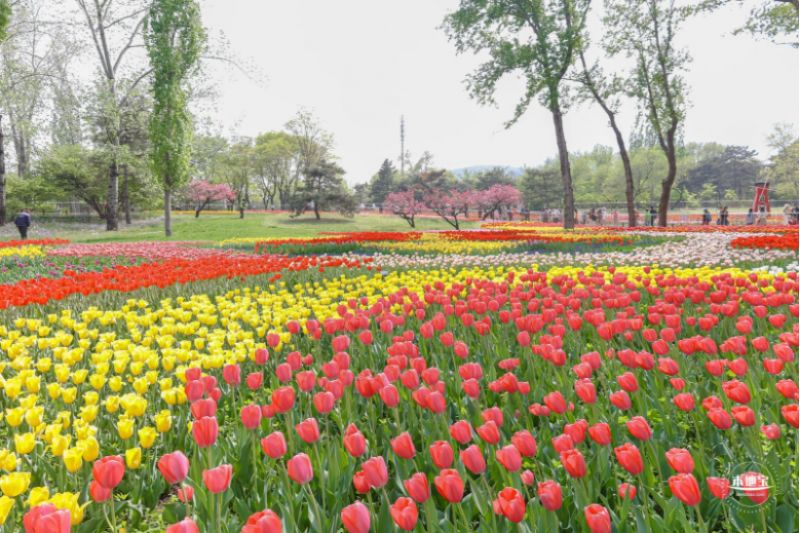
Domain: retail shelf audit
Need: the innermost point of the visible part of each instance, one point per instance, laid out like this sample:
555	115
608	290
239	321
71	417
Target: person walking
652	216
750	219
787	214
706	217
23	222
762	216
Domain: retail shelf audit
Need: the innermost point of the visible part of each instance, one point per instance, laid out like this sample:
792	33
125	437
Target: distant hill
460	172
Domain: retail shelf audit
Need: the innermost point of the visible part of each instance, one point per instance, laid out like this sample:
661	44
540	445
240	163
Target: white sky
360	64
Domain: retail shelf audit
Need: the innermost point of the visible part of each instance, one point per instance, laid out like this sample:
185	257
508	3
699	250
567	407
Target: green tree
606	91
736	169
645	31
541	187
782	170
537	39
774	20
274	160
382	184
174	38
323	189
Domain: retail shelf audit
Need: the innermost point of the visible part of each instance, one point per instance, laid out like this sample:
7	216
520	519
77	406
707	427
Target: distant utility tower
402	145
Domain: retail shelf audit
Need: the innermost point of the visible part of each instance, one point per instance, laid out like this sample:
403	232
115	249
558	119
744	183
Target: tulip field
513	378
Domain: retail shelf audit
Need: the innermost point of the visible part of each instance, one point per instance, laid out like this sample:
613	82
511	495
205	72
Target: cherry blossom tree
450	204
496	198
404	204
202	193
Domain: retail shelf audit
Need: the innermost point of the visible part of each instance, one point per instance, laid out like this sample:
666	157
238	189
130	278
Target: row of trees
706	174
547	42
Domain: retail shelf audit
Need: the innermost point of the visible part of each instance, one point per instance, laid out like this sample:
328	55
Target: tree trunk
126	202
113	197
167	212
316	210
666	184
2	178
626	166
566	173
241	212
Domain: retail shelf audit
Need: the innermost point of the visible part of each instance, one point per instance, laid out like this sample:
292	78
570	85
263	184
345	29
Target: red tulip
685	488
573	463
185	494
417	487
628	382
308	430
266	521
473	460
720	418
187	525
205	431
755	486
509	457
600	433
489	432
737	391
300	469
98	492
404	513
461	432
449	485
251	416
620	400
203	407
525	442
629	458
218	479
555	402
441	454
586	390
510	504
680	460
562	442
789	413
390	396
527	477
720	487
597	518
684	401
361	483
403	446
626	490
549	495
283	399
639	428
355	518
45	518
354	441
376	472
174	467
108	471
232	374
743	415
771	431
274	445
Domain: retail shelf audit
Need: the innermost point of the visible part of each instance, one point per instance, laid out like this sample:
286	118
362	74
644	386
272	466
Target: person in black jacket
23	222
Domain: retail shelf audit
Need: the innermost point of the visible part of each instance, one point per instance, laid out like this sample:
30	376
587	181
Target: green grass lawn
220	227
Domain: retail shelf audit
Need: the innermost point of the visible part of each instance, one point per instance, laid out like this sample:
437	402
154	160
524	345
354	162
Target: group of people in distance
757	218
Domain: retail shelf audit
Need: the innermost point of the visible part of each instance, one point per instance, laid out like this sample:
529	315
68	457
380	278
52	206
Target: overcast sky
360	64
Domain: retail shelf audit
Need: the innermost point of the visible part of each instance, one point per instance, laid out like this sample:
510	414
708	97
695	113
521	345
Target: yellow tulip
53	390
91	449
8	460
73	459
24	443
133	458
38	495
147	437
15	416
69	501
125	428
60	444
6	504
15	483
163	421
